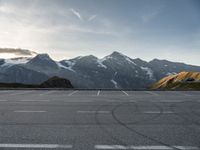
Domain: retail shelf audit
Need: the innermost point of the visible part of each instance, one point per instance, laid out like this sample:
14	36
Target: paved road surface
99	120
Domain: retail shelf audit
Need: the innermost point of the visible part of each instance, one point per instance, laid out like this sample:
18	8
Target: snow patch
148	71
130	61
69	63
100	64
15	61
171	73
105	58
114	82
125	57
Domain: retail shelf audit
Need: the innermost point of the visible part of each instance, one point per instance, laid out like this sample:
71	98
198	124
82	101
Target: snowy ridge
15	61
113	56
100	64
114	82
69	66
65	67
148	71
128	59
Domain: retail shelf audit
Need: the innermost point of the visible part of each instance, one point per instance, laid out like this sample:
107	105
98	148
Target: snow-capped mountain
113	71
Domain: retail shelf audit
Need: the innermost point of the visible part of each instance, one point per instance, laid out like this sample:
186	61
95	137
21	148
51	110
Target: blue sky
164	29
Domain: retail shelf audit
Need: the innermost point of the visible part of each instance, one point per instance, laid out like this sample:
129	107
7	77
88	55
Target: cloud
17	51
150	16
80	17
76	13
92	17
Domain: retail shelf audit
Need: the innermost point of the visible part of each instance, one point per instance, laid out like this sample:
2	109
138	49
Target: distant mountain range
180	81
113	71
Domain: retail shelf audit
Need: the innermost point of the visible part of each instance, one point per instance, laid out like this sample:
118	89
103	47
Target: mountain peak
115	53
43	56
42	62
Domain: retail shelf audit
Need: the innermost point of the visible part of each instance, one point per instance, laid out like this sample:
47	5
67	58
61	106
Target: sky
146	29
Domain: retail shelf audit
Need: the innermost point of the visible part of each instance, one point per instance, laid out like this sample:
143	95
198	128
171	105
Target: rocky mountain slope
113	71
182	80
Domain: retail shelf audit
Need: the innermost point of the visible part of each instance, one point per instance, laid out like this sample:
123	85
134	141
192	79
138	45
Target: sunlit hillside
182	80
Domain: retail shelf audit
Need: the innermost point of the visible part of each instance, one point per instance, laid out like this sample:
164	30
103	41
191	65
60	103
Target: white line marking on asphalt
46	93
5	91
92	112
3	100
70	94
187	94
34	100
21	93
181	93
148	147
125	93
158	112
170	101
98	93
29	111
45	146
152	93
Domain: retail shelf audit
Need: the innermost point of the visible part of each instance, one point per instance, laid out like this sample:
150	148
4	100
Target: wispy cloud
92	17
148	17
80	17
17	51
76	13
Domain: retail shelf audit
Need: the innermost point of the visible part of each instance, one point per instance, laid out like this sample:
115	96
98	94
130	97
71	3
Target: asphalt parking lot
99	120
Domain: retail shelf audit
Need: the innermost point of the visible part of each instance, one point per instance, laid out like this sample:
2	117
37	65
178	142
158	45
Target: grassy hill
180	81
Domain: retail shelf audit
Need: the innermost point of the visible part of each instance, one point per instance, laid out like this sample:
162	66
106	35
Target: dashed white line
3	100
70	94
34	100
29	111
43	146
125	93
5	91
158	112
169	101
21	93
152	93
98	93
148	147
187	94
92	112
46	93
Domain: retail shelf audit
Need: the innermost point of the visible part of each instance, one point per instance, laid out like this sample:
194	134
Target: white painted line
21	93
45	146
152	93
5	91
187	94
3	100
34	100
98	93
170	101
46	93
92	112
70	94
29	111
158	112
148	147
125	93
